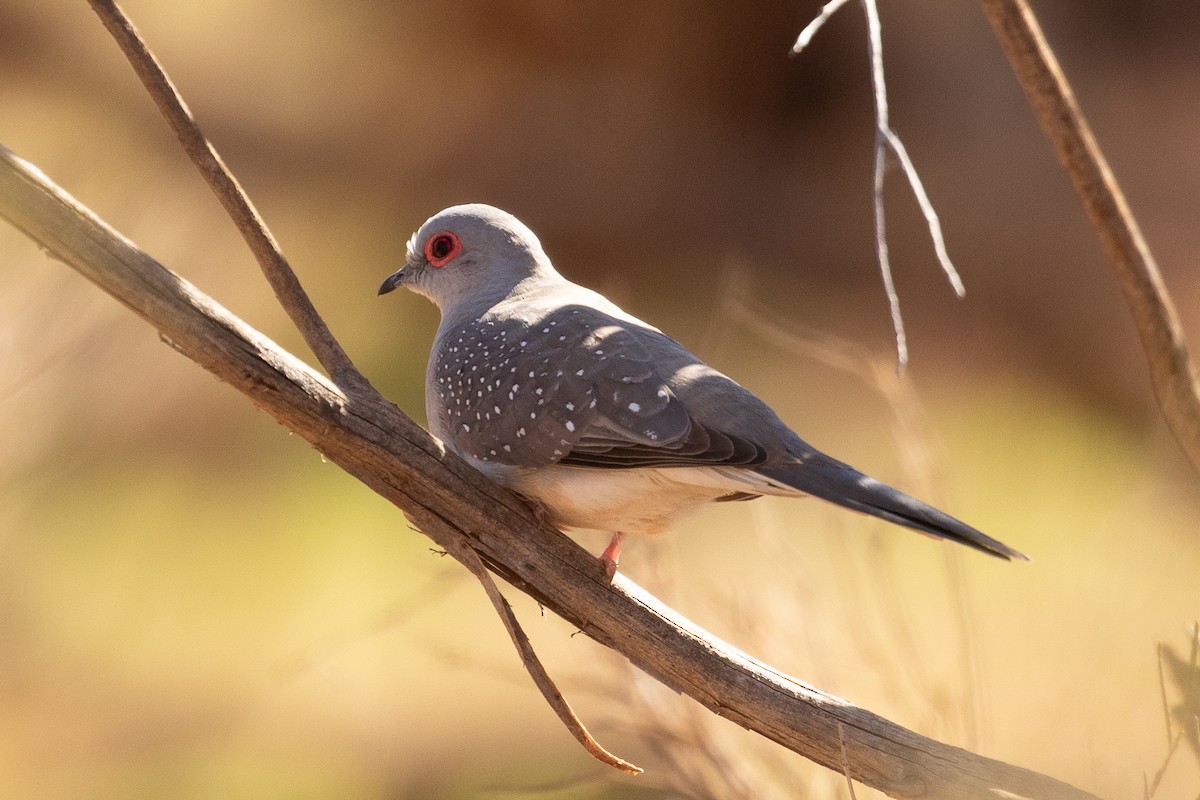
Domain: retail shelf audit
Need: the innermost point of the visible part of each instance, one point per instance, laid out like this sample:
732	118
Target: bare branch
225	186
328	350
1172	373
373	441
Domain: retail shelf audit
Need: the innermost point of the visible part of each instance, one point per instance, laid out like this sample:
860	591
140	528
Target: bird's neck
538	282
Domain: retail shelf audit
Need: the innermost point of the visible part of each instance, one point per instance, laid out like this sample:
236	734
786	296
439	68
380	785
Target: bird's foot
610	555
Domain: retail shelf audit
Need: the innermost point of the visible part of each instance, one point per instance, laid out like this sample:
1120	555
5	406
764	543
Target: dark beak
397	278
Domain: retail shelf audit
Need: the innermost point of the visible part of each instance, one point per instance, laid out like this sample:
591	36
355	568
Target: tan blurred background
193	604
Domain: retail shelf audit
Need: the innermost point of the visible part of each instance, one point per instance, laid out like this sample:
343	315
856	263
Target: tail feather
829	479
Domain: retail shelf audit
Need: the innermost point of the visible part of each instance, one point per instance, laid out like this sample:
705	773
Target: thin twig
887	139
1172	373
1150	786
1193	688
882	129
461	548
881	251
845	761
229	192
810	30
1162	689
927	210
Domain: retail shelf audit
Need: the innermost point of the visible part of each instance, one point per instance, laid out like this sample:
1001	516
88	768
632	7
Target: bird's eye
442	248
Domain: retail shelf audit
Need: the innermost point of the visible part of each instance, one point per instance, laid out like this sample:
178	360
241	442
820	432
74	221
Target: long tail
829	479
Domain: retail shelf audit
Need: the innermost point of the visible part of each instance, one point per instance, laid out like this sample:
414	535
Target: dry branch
312	327
237	203
372	440
1172	373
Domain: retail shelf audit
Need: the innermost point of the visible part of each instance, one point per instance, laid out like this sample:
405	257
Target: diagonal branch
225	186
373	441
329	352
1172	373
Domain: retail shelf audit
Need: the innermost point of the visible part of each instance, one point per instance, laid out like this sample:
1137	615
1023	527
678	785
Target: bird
598	419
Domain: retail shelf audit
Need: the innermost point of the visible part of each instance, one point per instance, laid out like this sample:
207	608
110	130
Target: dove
598	419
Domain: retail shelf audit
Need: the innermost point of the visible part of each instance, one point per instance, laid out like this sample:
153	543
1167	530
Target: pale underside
639	501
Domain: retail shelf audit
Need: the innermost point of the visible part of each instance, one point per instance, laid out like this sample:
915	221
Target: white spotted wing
576	387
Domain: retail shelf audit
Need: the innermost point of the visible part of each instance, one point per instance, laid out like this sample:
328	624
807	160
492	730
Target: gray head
468	257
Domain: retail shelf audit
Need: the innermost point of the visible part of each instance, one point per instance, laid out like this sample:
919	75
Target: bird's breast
640	501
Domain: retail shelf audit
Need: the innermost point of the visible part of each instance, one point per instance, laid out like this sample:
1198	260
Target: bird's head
469	256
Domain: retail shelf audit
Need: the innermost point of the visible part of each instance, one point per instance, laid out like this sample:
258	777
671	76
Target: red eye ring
441	248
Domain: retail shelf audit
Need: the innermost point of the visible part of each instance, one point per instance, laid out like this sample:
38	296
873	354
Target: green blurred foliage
193	604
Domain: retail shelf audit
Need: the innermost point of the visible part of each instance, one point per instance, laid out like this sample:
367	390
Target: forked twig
320	339
887	139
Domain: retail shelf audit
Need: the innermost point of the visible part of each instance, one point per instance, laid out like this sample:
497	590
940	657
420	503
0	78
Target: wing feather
574	386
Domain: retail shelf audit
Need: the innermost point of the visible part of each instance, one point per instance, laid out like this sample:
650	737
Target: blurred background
193	604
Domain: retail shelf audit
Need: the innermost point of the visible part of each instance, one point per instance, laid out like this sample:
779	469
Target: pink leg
611	553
